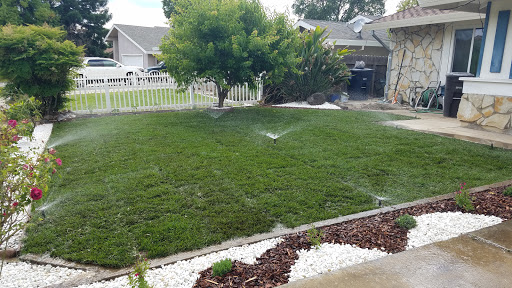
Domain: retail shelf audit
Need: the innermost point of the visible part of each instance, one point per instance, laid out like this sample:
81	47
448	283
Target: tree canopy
337	10
24	12
83	21
406	4
228	42
168	6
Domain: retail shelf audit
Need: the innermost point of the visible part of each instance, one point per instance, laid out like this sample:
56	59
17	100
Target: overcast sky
150	13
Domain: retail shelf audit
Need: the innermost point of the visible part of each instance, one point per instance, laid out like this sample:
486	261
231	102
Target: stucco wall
423	46
126	47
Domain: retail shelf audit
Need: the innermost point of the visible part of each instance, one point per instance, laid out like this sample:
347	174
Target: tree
406	4
337	10
168	6
18	12
83	21
228	42
38	61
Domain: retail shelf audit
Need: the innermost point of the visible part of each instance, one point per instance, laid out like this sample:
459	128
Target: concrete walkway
479	259
450	127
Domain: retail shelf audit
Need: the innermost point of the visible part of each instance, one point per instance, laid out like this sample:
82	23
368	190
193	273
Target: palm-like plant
320	70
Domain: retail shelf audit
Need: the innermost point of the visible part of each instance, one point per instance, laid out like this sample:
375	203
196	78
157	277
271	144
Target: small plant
463	200
508	191
222	267
315	236
137	278
406	221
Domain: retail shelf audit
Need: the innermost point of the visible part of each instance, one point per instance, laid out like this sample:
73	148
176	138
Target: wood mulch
378	231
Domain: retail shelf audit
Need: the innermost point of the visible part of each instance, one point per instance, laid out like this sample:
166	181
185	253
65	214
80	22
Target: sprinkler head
275	141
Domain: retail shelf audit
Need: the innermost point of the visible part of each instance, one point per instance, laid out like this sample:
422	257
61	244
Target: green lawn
170	182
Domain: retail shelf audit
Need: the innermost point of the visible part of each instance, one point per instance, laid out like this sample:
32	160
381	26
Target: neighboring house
343	34
136	45
474	37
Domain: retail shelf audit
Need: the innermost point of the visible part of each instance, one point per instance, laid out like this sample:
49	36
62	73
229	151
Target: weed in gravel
406	221
315	237
222	267
508	191
463	199
137	277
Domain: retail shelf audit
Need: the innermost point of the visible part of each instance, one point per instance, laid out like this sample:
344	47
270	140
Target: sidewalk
450	127
479	259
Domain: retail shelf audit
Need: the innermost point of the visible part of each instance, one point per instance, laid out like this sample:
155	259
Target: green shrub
222	267
406	221
38	61
508	191
315	237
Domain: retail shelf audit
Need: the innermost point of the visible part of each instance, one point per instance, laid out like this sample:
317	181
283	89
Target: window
95	63
108	63
467	50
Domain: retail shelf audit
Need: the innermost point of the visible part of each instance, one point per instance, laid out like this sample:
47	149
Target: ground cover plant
169	182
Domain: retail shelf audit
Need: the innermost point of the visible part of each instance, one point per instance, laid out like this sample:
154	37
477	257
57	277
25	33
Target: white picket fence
150	92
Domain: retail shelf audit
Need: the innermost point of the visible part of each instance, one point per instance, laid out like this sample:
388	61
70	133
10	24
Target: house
136	45
443	36
345	37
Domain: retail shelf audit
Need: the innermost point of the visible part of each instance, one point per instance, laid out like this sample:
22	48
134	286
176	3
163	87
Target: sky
149	12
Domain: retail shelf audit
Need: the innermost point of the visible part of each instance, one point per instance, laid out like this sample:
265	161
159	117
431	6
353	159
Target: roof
343	33
416	16
146	38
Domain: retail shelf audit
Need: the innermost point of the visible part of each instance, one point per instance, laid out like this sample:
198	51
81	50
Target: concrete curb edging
103	274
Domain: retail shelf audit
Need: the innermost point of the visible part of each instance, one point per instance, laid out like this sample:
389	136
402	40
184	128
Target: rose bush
23	179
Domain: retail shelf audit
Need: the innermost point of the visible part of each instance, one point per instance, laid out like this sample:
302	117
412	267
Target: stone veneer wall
486	110
422	60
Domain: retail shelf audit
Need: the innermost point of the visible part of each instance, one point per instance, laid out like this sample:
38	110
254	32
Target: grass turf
170	182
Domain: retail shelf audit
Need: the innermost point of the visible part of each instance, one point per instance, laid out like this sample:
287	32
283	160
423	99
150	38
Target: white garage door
132	60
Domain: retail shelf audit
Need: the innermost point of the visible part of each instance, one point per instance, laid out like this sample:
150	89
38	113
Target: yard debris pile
374	232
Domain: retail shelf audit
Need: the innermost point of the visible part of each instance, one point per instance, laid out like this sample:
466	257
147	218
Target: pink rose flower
59	162
15	138
15	204
54	171
25	167
52	151
12	123
36	193
46	160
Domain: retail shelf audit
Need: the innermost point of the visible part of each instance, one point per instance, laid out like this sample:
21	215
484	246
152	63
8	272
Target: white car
96	67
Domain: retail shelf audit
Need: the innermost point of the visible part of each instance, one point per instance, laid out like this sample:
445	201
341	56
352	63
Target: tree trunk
223	93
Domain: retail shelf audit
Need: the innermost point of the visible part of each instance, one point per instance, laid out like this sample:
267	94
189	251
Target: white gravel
330	257
305	104
25	275
442	226
183	274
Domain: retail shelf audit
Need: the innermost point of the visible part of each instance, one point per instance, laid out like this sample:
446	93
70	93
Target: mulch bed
378	231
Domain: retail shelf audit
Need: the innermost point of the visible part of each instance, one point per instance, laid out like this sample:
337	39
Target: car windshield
161	63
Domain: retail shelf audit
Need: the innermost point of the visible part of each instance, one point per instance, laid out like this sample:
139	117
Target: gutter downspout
390	59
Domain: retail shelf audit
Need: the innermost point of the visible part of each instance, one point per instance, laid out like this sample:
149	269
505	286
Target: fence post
107	96
192	94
